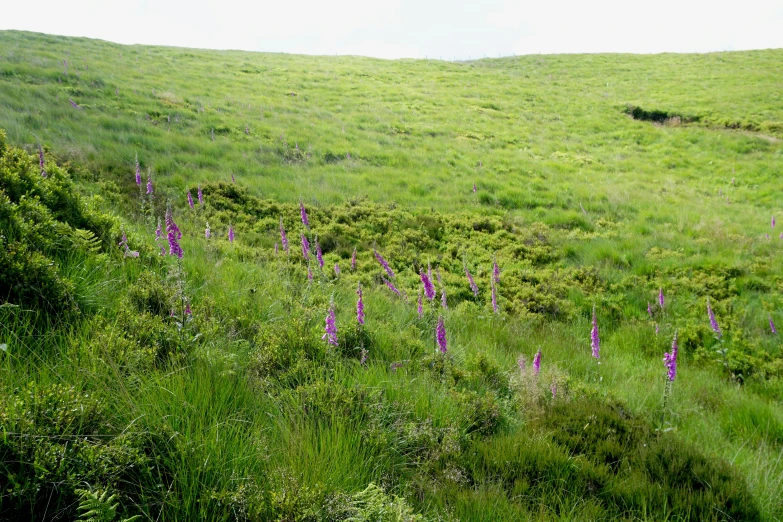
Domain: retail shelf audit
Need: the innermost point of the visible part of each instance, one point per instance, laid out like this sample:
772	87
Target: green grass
243	412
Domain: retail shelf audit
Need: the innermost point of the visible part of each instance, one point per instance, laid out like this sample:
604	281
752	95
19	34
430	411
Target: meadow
185	236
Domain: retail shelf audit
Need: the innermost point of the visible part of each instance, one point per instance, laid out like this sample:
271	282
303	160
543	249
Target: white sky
444	29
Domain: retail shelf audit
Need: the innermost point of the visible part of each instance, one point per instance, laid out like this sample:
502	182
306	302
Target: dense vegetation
206	387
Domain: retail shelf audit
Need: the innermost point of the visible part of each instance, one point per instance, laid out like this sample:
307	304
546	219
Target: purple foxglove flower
200	195
495	271
767	236
443	298
383	263
713	322
283	237
309	274
74	105
303	215
440	334
595	341
162	250
363	360
494	297
440	280
472	282
670	360
232	178
336	269
649	310
207	231
131	253
656	328
318	255
123	240
781	235
353	260
420	309
391	286
522	363
773	221
187	309
158	231
149	184
660	298
138	172
190	200
429	290
230	234
359	305
305	247
474	187
41	161
772	325
330	329
553	389
537	362
174	235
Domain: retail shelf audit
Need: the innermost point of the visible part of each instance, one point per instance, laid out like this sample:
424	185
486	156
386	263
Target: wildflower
391	286
656	328
773	221
305	247
437	273
158	231
383	263
443	298
303	214
330	330
713	322
230	234
649	310
200	195
420	309
336	269
187	309
363	359
522	363
494	297
537	362
318	255
429	290
595	341
41	161
283	237
472	282
660	298
440	334
495	271
74	105
124	243
232	178
276	249
553	389
149	183
670	360
359	305
767	236
474	187
309	274
162	250
772	325
173	235
190	200
207	231
138	172
353	260
429	271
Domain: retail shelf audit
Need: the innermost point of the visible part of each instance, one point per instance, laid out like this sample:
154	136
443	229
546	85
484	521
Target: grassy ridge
242	411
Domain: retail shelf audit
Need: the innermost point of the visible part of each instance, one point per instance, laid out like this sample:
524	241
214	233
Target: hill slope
206	386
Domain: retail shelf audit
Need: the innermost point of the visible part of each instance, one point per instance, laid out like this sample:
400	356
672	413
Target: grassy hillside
205	387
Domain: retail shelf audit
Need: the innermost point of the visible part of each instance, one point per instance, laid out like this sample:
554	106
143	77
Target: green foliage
96	506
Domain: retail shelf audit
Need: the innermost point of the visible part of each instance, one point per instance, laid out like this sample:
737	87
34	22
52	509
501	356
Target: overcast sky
445	29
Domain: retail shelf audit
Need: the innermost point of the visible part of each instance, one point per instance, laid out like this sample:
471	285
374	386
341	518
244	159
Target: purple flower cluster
133	253
190	200
230	234
443	302
522	363
537	362
383	263
595	341
670	360
359	305
494	297
391	286
773	221
283	236
660	298
495	271
440	334
420	308
207	231
473	286
318	255
200	195
429	289
649	310
173	235
336	269
713	321
772	326
149	184
138	172
330	329
305	247
353	260
303	214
